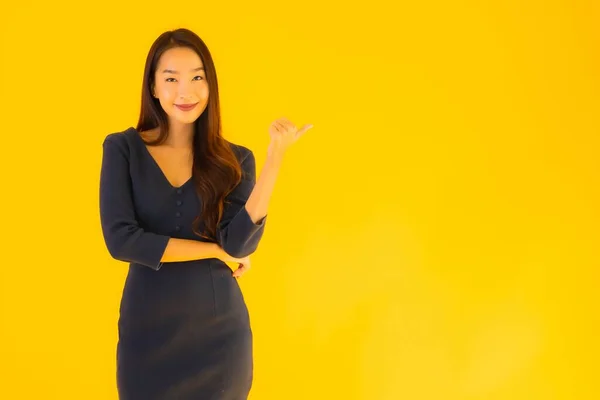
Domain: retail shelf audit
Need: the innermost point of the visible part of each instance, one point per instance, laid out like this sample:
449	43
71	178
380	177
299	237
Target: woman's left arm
283	134
258	203
241	239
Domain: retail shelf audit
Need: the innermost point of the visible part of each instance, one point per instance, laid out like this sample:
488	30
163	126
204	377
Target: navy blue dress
184	329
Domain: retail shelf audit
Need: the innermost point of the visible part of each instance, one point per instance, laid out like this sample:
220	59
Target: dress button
178	214
177	228
178	191
178	202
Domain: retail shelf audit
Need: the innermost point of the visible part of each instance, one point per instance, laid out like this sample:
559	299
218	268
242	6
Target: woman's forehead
180	60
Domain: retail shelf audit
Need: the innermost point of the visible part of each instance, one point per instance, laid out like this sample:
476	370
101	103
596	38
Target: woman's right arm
124	238
187	250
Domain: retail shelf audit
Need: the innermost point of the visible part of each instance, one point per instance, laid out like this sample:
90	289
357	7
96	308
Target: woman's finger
287	124
239	272
279	126
243	267
303	130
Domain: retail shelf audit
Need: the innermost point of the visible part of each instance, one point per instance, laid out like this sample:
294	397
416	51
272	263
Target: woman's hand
243	264
283	134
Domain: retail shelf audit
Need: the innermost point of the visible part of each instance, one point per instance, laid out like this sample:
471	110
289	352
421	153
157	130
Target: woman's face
180	80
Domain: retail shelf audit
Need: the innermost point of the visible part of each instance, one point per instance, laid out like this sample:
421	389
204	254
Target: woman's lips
186	107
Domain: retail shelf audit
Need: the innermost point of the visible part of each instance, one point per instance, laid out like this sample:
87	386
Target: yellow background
434	236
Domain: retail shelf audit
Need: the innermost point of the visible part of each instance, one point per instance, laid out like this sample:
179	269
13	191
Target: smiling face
180	85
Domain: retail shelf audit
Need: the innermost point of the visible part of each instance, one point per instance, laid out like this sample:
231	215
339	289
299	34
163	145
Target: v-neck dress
184	329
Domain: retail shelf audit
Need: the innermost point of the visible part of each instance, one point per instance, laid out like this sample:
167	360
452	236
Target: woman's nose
185	97
185	92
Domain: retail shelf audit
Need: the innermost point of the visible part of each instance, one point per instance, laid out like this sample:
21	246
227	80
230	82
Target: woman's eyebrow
171	71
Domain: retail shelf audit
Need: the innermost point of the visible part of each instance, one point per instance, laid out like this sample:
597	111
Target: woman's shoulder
241	151
119	143
119	139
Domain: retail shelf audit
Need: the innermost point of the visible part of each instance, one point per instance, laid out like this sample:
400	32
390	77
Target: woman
178	202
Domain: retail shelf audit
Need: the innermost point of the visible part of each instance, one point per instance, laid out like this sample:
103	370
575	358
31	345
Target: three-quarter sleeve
237	234
124	238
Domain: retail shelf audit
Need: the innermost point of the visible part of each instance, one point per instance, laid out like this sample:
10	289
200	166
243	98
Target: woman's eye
198	76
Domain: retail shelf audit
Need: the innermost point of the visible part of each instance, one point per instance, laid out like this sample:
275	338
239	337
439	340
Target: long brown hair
216	169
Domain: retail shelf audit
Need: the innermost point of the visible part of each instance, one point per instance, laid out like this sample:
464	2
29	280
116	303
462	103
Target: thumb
303	130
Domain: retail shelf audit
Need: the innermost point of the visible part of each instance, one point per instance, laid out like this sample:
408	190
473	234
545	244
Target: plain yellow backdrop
434	236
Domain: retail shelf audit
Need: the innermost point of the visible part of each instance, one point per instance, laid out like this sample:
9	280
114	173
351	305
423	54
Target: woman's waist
177	266
177	271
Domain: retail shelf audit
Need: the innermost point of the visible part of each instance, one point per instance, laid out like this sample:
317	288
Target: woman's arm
283	134
258	201
237	233
244	218
187	250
